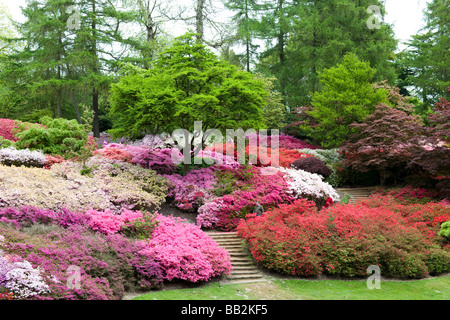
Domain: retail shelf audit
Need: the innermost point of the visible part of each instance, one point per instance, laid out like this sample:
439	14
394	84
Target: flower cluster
185	252
108	222
159	160
6	129
310	186
344	240
13	157
239	190
20	278
284	141
110	186
191	191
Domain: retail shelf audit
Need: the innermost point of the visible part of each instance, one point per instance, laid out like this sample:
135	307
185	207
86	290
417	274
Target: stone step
244	268
245	277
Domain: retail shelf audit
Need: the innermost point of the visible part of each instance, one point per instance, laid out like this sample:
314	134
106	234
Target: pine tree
429	54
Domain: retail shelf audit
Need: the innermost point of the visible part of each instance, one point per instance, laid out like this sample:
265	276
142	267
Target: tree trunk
75	105
59	106
96	127
199	19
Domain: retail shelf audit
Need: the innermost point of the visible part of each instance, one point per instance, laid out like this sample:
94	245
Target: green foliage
54	136
5	143
445	229
274	111
188	83
427	55
141	228
347	97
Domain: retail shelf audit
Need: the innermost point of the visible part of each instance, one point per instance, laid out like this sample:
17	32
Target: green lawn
294	289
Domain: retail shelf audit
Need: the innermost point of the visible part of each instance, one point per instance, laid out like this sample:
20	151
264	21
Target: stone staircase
244	269
355	193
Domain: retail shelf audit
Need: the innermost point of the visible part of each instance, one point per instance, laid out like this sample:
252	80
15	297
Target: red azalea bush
260	156
344	240
284	141
410	194
51	160
114	154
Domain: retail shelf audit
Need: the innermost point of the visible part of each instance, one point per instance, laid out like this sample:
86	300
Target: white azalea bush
309	186
12	157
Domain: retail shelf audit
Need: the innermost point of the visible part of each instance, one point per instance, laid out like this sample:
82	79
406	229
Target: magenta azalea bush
191	191
240	190
110	263
284	141
185	252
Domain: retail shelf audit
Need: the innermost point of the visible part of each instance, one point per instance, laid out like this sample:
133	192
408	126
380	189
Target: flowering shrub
342	240
6	129
159	160
13	157
109	264
185	252
258	155
245	187
309	186
112	187
191	191
51	160
108	223
410	195
312	165
284	141
20	278
114	154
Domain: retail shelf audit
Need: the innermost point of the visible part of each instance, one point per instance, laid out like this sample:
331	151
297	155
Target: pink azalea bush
108	222
185	252
159	160
6	129
284	141
240	189
191	191
110	262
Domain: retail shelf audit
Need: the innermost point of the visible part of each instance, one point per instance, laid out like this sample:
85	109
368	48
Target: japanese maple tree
386	142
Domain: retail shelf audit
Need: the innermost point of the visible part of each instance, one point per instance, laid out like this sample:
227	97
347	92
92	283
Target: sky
405	15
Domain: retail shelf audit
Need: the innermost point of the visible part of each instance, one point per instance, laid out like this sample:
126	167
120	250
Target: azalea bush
7	127
191	191
411	195
104	247
185	252
343	240
157	159
20	278
111	186
109	265
13	157
238	191
306	185
284	141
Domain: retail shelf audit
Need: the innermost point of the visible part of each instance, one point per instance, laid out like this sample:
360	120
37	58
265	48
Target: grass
298	289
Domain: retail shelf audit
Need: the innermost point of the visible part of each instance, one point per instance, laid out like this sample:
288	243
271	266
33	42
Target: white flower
302	183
